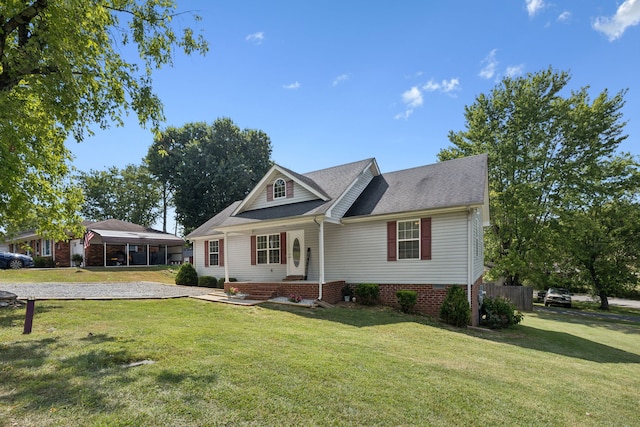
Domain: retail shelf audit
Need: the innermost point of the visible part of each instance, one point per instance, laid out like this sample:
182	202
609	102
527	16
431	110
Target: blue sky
337	81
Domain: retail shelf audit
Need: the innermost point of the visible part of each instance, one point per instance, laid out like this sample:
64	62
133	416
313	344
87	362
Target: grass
160	274
217	364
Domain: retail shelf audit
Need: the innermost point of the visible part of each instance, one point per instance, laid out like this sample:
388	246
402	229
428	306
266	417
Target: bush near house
455	308
43	262
187	275
499	312
207	281
407	300
367	293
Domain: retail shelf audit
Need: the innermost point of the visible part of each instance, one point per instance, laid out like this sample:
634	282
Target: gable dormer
281	186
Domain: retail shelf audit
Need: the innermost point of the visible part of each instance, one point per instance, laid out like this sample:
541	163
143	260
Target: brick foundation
430	297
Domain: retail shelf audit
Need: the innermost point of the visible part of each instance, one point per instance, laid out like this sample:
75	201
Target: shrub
207	281
407	300
367	293
498	313
455	308
346	290
43	262
187	275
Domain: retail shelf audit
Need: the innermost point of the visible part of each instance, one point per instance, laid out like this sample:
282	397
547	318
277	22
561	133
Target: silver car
557	296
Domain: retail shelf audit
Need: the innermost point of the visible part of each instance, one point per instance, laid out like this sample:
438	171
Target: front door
295	253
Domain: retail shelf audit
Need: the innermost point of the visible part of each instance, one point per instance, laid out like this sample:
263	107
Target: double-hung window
214	252
279	189
268	249
409	239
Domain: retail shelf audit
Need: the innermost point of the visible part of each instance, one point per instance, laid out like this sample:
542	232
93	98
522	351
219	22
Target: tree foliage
129	194
62	69
208	167
549	149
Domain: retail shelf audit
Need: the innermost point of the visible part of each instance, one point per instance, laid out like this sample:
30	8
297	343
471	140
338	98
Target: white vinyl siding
358	254
478	245
300	194
352	194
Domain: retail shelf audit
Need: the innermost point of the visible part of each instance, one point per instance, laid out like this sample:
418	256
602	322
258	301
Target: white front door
295	253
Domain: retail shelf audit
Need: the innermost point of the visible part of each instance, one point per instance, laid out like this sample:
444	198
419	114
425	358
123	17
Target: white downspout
226	258
321	260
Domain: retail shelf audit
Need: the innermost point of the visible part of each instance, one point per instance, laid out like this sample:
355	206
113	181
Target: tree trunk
604	301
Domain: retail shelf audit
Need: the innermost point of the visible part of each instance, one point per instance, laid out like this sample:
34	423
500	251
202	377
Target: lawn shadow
353	315
39	381
560	343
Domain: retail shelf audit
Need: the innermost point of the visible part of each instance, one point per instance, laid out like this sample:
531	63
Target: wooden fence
520	296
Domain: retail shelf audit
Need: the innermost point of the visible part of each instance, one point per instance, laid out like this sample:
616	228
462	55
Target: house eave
410	214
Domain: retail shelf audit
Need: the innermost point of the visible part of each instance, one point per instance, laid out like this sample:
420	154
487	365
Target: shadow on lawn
563	344
353	315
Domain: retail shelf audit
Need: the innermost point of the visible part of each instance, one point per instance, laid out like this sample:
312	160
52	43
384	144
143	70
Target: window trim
413	239
268	250
45	246
279	189
210	252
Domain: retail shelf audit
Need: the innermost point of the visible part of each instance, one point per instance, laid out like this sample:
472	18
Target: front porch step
262	294
293	278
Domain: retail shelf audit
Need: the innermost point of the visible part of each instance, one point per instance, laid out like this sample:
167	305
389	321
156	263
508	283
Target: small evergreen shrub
499	312
43	262
455	308
367	293
207	281
407	300
187	275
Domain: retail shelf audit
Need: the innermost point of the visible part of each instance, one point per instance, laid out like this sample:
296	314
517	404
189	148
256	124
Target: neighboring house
106	243
309	234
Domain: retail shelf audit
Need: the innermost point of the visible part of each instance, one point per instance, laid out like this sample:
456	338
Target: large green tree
63	68
597	238
546	146
129	194
208	166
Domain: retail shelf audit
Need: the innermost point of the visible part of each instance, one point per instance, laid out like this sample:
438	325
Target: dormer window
279	189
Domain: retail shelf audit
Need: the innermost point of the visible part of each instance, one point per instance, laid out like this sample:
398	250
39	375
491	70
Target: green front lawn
217	364
160	274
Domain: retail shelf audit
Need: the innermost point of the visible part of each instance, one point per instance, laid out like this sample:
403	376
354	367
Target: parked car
11	260
540	296
558	296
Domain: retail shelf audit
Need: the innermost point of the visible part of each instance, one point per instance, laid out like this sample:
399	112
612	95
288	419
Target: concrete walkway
123	290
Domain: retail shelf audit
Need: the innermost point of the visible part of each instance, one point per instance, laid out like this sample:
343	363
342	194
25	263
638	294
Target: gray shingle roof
459	182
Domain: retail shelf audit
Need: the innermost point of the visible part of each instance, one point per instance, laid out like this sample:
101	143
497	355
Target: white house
311	233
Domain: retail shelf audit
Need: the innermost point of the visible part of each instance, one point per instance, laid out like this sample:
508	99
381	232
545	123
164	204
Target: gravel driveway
128	290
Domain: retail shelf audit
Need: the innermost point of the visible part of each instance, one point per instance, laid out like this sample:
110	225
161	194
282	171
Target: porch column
127	254
166	256
104	254
321	259
226	258
147	254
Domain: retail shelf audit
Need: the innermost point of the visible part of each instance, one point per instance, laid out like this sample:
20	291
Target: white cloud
412	98
564	16
514	70
341	78
256	38
446	86
292	86
490	63
533	6
627	15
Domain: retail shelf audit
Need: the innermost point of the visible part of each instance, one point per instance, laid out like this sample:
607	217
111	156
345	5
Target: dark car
11	260
558	296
